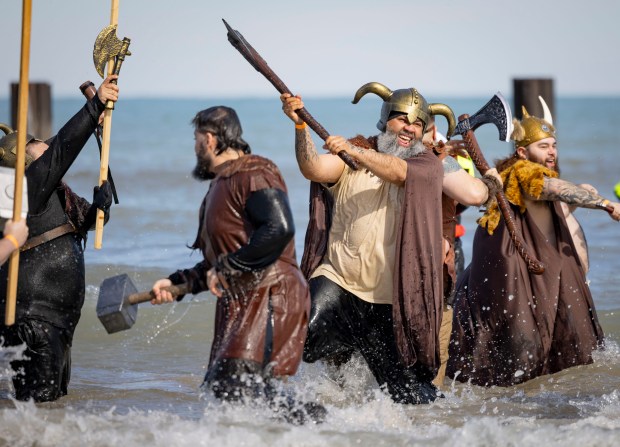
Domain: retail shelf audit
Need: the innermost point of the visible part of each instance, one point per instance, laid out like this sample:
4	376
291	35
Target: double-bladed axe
496	112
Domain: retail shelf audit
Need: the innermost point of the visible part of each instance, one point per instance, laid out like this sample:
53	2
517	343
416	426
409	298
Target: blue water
141	386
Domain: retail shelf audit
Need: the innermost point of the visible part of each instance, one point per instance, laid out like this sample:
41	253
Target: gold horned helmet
531	128
8	147
408	101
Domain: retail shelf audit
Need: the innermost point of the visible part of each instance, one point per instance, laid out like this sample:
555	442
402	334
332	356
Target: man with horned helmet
374	250
511	325
51	284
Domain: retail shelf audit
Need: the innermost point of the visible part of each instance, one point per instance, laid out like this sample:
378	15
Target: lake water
141	386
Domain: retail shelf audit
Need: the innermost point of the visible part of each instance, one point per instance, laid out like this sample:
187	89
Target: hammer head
107	46
496	111
113	310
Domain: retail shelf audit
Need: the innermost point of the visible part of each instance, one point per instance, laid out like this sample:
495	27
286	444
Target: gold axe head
107	46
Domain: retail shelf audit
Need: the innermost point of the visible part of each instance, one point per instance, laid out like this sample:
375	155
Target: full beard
556	167
387	143
202	170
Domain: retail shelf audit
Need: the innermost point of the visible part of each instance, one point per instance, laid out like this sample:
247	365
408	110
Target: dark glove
102	196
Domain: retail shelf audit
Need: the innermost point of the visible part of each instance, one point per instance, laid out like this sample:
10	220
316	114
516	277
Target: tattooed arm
387	167
324	168
555	189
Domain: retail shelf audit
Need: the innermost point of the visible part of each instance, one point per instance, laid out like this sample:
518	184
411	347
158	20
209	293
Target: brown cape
511	326
418	277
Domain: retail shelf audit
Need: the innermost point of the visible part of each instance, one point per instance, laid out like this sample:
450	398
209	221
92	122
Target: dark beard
387	143
202	170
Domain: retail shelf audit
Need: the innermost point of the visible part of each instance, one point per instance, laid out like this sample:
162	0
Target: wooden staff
22	124
105	147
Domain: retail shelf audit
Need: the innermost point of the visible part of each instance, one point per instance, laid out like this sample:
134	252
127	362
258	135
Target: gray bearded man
374	251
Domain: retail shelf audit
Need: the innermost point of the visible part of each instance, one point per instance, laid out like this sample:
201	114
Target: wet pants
340	323
44	373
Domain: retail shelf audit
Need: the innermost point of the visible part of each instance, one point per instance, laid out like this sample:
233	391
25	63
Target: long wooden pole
105	145
22	128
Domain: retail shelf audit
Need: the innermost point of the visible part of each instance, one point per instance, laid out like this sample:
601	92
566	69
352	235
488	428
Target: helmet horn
546	112
5	128
444	110
372	87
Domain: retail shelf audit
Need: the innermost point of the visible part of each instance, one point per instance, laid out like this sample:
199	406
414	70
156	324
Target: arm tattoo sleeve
560	190
450	165
305	151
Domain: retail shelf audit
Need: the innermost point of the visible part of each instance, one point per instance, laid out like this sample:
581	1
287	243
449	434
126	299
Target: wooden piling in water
39	109
526	93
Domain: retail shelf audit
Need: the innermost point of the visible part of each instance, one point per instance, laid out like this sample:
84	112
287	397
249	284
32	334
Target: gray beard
387	143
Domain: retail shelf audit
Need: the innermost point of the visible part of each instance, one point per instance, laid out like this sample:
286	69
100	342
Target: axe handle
103	173
473	149
143	297
89	91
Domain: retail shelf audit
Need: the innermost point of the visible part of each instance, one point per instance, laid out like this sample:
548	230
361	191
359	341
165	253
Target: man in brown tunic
246	237
510	325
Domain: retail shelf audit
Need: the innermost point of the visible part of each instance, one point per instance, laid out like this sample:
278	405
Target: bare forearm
560	190
386	167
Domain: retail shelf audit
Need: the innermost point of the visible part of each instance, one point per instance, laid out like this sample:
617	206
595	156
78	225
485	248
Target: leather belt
48	236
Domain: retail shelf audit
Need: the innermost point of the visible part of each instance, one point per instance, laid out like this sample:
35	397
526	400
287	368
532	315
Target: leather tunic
263	316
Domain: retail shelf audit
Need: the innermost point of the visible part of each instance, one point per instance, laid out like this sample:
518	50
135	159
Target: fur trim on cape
522	177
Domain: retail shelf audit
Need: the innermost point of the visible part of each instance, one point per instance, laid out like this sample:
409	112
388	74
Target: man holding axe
512	323
51	284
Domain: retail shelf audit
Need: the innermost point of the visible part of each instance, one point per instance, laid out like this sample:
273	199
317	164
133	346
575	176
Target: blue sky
454	48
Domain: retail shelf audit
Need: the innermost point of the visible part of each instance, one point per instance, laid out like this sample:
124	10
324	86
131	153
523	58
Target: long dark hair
224	124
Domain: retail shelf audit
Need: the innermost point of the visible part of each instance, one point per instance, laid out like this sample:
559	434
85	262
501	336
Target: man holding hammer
246	234
51	281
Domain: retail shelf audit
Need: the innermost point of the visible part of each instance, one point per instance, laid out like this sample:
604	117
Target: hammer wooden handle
143	297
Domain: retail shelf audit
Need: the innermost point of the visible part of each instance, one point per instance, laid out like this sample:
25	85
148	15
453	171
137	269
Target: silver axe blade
496	111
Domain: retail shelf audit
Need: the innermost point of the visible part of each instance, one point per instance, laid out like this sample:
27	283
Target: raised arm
555	189
323	168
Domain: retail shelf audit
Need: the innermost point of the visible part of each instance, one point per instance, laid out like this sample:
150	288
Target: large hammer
117	305
496	112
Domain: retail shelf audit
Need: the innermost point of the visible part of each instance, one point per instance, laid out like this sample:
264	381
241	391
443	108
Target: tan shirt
362	241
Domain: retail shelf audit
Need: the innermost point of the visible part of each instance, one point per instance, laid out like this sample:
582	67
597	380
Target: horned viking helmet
408	101
8	147
531	128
